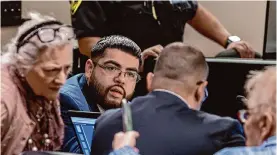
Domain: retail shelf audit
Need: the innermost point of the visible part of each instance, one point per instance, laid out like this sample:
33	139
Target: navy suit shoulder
215	119
107	115
233	136
167	126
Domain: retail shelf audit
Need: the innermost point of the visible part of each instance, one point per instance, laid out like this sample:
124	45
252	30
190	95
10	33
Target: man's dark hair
116	41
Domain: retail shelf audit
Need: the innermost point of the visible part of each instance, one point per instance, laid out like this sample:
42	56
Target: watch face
234	38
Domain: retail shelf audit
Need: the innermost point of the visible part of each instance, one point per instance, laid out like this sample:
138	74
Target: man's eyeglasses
113	71
243	115
45	35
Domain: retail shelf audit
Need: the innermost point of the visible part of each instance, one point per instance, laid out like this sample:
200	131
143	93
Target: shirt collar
271	141
172	93
101	110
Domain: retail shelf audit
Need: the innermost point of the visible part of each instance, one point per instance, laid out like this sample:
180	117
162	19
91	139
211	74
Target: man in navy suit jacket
168	118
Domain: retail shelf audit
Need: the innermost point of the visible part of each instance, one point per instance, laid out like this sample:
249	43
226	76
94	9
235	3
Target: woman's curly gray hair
27	55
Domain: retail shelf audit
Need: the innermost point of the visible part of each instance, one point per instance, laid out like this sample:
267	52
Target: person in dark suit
168	118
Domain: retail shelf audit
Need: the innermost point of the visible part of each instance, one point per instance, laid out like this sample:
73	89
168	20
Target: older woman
34	67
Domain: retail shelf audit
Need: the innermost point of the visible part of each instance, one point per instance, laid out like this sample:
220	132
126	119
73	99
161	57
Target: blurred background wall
58	9
243	18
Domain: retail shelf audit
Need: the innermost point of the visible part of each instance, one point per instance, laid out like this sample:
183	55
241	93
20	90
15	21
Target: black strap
35	28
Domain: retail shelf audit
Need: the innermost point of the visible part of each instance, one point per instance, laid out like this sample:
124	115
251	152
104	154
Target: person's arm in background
86	44
209	26
124	143
88	21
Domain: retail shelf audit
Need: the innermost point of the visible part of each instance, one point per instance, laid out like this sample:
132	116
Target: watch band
228	42
231	39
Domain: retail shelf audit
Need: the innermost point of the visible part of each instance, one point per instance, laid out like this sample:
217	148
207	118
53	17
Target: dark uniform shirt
145	22
137	20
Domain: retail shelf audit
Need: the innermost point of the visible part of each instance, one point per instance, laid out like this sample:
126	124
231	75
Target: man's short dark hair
116	41
179	61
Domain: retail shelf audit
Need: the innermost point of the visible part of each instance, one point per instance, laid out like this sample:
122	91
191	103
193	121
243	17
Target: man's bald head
181	69
181	62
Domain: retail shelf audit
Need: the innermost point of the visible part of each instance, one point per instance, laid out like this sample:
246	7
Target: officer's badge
74	5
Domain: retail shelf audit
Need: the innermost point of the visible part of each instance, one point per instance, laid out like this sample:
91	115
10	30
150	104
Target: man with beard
168	119
110	75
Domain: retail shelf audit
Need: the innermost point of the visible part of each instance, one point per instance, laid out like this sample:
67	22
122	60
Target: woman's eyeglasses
45	35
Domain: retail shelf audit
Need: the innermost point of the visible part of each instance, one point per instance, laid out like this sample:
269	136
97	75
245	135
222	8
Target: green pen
127	116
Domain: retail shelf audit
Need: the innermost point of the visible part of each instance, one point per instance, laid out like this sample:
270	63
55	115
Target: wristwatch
231	39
